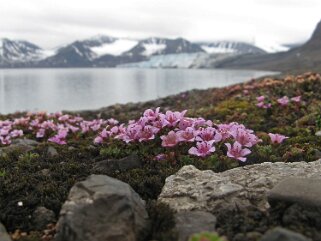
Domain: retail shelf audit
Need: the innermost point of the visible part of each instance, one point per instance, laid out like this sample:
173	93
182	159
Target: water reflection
78	89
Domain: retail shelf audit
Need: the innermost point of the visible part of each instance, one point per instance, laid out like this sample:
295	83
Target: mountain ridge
298	59
108	51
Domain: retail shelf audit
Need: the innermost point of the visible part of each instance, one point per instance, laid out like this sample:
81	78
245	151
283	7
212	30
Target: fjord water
81	89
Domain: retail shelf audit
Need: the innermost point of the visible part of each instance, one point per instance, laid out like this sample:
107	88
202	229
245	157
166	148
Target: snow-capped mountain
235	47
16	51
107	51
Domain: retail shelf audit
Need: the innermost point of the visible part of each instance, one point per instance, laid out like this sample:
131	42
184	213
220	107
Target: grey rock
318	133
304	191
281	234
4	236
190	222
192	189
41	217
101	208
22	145
52	152
124	164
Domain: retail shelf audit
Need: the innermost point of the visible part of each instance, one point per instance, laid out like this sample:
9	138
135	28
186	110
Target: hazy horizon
51	24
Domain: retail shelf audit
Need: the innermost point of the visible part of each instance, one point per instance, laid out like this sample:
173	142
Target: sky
51	23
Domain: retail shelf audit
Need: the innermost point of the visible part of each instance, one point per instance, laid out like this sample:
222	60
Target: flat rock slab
304	191
4	236
190	222
101	208
281	234
193	189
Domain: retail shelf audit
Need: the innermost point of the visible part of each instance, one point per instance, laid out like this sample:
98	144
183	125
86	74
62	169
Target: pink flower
132	133
187	135
160	157
173	117
16	133
148	133
170	140
284	101
151	115
112	121
277	138
237	152
267	106
243	137
260	98
60	138
5	140
185	122
296	99
209	134
202	149
260	104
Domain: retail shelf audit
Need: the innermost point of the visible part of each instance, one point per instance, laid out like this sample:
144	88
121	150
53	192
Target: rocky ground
118	191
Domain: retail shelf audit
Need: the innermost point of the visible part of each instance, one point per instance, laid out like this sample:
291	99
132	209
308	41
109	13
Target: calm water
80	89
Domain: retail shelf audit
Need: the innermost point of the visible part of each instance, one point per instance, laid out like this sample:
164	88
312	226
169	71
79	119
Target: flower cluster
284	101
173	129
261	103
8	132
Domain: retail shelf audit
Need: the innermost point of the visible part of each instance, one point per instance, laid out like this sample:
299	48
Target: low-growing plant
206	236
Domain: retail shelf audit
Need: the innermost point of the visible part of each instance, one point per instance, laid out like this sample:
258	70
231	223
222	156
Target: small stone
282	234
42	217
45	172
304	191
190	222
25	142
52	152
124	164
4	236
318	133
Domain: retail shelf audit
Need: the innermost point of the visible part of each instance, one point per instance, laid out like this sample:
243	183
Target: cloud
51	23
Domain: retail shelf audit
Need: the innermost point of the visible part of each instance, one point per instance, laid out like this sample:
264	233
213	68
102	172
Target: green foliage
2	173
206	236
108	152
318	122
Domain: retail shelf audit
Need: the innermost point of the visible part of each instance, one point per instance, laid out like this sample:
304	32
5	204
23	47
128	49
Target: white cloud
50	23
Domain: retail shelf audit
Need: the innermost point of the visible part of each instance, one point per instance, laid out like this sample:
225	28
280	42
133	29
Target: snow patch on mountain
217	50
153	48
116	48
270	46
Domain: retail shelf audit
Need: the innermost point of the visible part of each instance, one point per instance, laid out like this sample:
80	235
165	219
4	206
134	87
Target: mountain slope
16	52
162	46
306	57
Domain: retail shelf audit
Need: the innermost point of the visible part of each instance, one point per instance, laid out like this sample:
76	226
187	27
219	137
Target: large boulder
4	236
101	208
192	189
